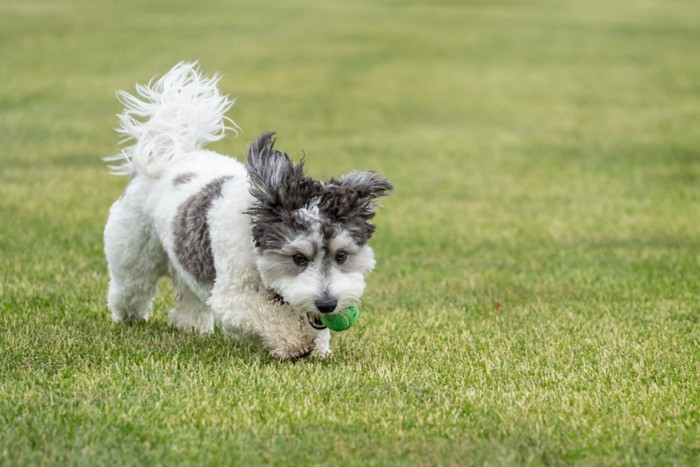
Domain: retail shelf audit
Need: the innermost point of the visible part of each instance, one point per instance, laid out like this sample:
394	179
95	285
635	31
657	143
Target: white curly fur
176	115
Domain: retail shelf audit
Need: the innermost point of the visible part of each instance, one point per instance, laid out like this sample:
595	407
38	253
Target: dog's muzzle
315	321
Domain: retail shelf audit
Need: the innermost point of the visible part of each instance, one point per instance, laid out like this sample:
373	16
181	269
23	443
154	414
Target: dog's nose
326	305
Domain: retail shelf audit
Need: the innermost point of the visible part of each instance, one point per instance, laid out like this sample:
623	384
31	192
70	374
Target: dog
258	247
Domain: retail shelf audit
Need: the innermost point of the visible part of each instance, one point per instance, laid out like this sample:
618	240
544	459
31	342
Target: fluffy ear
267	168
368	185
354	203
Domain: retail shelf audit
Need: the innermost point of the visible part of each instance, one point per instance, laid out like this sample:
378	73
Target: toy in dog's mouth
338	321
315	321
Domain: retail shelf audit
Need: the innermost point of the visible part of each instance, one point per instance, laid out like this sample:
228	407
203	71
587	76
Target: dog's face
311	236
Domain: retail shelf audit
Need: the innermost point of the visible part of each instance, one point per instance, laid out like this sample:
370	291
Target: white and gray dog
259	247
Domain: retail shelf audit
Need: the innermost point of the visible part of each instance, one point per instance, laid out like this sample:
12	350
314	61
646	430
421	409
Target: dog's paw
128	319
284	355
316	350
202	323
322	344
121	316
321	353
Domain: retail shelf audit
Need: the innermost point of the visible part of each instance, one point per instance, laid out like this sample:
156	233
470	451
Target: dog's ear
354	206
268	169
368	185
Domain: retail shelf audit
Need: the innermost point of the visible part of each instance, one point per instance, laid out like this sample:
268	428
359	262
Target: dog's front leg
322	344
285	333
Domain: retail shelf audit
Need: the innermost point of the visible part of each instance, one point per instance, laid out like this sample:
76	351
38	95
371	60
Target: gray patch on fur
191	232
183	178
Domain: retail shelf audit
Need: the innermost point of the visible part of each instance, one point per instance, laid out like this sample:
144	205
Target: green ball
343	320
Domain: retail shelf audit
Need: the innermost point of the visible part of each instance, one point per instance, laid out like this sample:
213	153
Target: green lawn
536	298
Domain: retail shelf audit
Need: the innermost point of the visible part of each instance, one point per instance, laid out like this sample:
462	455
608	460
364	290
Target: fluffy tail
179	113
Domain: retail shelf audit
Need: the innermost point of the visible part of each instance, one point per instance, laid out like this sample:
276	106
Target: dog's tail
177	114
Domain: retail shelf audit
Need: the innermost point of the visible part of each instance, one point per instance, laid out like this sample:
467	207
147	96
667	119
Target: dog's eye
300	260
340	257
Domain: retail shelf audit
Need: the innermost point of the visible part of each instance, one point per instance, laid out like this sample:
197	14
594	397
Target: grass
536	299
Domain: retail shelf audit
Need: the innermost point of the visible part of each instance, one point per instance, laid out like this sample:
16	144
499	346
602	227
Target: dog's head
311	236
